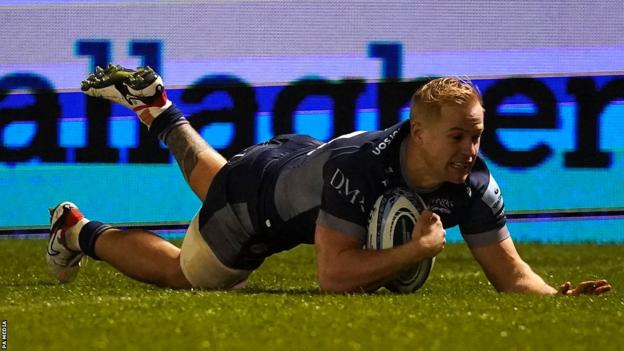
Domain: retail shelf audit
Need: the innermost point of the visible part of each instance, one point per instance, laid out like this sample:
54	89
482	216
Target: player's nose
470	149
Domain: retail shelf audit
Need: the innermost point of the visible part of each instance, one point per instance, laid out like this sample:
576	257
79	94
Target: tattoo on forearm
185	144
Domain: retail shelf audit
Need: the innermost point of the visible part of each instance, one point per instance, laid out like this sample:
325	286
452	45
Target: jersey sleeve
485	221
345	200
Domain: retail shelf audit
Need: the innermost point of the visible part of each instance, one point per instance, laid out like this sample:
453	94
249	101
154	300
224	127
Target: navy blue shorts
231	217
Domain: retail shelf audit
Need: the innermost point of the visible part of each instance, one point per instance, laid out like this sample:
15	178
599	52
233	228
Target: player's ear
416	130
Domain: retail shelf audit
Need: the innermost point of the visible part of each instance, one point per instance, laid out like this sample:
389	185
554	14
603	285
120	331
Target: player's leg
202	268
142	90
143	256
198	161
139	254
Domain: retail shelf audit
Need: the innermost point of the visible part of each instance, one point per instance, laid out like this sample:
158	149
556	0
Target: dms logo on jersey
344	187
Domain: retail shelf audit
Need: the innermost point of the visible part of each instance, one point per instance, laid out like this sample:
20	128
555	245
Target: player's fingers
586	283
586	287
601	282
424	218
435	218
602	289
599	286
564	288
428	217
591	287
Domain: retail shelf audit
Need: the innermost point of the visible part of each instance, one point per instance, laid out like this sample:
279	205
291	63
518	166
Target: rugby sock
155	109
166	122
71	234
148	112
88	235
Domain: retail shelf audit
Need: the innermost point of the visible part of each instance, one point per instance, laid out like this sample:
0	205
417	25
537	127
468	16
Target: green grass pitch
282	309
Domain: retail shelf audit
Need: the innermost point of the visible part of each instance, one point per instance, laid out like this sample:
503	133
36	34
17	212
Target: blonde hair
427	102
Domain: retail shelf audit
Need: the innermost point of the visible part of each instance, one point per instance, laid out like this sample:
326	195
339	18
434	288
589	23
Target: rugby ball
390	224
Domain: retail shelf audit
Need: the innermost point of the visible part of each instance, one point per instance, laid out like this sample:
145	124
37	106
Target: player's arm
343	266
508	273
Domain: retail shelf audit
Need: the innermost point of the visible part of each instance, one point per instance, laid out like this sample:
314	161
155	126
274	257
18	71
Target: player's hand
591	287
429	234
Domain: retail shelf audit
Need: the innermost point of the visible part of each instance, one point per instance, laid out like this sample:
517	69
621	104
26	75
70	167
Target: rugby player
294	189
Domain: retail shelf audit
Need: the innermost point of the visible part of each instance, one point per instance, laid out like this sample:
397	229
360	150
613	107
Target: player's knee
174	278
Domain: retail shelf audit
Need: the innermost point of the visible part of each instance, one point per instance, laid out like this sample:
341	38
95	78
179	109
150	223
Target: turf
282	309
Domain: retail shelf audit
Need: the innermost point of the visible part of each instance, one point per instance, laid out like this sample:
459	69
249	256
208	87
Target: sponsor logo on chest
345	187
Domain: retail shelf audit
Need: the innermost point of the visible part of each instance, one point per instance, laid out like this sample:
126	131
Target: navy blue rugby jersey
336	184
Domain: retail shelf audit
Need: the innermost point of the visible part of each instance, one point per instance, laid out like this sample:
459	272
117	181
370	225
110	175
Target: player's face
450	143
